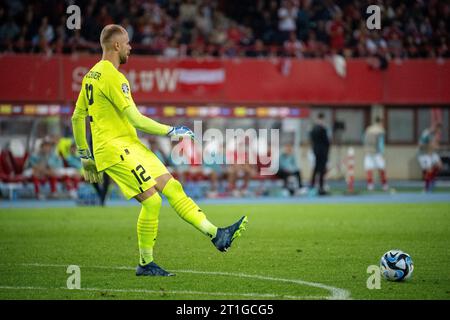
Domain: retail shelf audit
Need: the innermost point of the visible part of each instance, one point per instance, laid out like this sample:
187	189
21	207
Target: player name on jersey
93	75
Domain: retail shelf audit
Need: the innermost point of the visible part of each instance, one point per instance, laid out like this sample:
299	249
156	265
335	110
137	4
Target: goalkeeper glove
90	172
181	131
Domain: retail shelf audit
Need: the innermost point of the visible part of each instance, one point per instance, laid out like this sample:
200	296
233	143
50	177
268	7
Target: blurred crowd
251	28
52	161
226	169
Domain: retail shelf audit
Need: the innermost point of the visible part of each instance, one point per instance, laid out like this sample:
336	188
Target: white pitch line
336	293
23	288
163	292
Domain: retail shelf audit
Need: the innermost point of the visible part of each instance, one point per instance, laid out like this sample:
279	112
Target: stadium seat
11	169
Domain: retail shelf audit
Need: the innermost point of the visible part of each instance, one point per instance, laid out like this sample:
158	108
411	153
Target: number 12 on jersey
141	177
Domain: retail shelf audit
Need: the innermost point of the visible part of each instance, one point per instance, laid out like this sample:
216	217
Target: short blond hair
108	32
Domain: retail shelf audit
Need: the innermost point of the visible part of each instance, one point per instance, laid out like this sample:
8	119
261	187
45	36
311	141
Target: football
396	265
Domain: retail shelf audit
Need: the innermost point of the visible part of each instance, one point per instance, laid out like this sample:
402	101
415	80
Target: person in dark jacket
320	146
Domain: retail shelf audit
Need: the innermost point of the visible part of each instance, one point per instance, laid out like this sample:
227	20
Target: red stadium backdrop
39	79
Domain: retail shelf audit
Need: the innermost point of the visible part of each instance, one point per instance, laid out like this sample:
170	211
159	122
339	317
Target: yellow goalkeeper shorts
137	170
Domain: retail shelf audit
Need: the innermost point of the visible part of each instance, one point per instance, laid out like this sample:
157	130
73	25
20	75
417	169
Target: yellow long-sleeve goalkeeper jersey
105	97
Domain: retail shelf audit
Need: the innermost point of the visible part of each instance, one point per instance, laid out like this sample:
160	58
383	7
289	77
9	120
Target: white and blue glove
181	131
90	172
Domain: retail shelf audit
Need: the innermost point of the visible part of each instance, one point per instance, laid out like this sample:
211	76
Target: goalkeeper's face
124	48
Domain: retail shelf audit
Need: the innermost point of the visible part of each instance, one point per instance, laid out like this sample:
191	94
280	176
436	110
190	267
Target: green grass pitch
287	252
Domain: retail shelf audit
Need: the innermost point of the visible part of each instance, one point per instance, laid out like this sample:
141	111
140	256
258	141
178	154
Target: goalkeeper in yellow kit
105	98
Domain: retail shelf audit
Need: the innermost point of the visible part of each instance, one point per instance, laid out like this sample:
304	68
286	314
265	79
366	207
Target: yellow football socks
187	209
147	227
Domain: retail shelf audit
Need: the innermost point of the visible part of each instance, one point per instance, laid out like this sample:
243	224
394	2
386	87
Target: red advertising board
40	79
